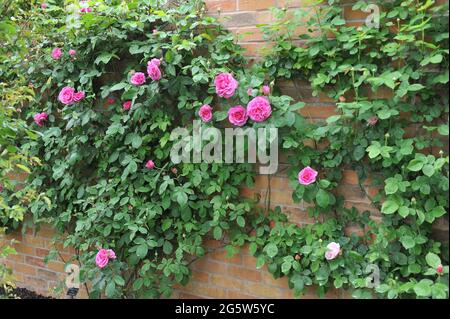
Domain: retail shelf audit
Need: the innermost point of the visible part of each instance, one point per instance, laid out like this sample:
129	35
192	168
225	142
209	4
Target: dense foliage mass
112	79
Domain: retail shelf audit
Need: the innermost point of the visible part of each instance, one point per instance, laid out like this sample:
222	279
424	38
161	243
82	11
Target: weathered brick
244	273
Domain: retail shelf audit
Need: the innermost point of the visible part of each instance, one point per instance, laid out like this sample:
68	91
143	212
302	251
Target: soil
23	293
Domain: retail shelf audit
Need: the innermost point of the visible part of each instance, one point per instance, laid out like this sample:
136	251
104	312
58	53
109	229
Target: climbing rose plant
113	80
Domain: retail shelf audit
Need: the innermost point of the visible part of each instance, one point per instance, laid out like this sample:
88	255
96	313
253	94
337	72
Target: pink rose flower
44	6
72	52
372	121
259	109
237	115
78	96
156	62
307	176
153	70
137	78
56	53
205	113
110	101
103	256
266	90
66	96
126	105
225	84
333	250
150	164
40	118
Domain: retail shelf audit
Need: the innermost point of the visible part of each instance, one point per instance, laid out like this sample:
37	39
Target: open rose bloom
103	256
137	78
205	113
153	70
126	105
237	115
56	53
225	84
259	109
333	250
307	176
68	95
40	118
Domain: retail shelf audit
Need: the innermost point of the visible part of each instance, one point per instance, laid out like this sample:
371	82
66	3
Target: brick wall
216	275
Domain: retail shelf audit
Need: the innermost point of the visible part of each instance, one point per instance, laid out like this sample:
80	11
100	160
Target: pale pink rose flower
102	258
56	53
225	84
126	105
237	115
266	90
153	70
259	109
333	250
307	176
40	118
78	96
72	52
150	164
66	96
205	113
155	31
44	6
137	78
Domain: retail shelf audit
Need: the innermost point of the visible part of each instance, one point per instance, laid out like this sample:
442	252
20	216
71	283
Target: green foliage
94	153
391	125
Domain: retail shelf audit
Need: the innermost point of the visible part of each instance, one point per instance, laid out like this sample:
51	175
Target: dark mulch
23	293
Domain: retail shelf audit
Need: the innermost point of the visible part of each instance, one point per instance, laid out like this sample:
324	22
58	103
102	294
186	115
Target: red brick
252	5
244	273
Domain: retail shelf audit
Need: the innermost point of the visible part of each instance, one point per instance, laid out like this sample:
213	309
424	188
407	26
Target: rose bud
297	257
342	99
439	269
174	170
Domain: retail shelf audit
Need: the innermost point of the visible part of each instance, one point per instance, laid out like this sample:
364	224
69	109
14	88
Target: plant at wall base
136	71
390	85
15	94
137	222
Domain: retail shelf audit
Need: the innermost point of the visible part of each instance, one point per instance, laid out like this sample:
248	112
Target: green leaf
105	57
415	87
110	289
136	141
271	250
322	198
389	207
142	250
423	288
119	280
415	165
407	242
428	170
433	260
217	233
